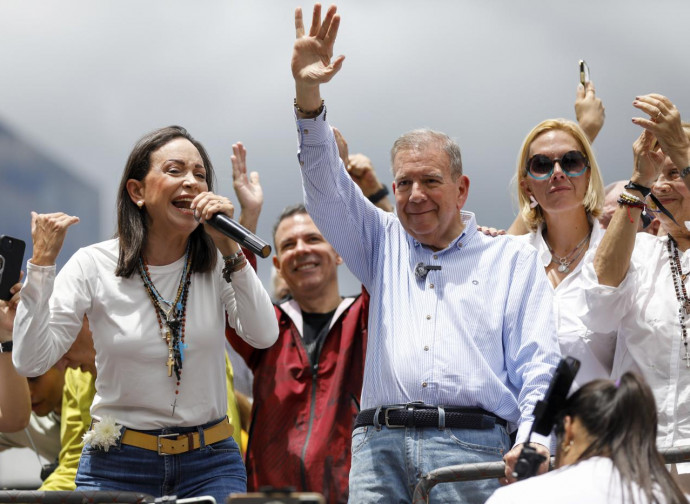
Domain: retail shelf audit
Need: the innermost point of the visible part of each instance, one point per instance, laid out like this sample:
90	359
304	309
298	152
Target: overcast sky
83	80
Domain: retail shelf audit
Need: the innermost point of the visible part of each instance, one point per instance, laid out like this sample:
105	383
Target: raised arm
613	255
589	110
312	59
248	190
362	172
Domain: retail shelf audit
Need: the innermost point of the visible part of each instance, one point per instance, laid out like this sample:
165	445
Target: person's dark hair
131	221
621	419
288	211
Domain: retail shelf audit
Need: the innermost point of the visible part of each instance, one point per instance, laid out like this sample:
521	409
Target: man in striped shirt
462	341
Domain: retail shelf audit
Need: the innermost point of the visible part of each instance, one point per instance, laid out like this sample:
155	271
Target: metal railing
76	497
489	470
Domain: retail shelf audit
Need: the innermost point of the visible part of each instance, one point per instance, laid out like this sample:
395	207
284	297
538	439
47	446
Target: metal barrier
489	470
76	497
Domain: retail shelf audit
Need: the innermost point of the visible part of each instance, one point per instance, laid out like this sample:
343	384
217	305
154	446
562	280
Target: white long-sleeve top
133	385
644	311
592	481
594	350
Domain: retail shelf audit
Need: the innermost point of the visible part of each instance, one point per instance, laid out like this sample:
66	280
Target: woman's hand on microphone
205	206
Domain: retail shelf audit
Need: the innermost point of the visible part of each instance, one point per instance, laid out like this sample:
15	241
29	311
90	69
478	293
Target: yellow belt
176	443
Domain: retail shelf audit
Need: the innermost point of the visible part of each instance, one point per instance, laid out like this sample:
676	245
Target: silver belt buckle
385	416
158	442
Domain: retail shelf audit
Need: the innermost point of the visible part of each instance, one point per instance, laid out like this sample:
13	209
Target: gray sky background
83	80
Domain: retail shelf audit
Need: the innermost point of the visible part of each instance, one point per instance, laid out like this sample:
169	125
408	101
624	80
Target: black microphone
239	233
421	270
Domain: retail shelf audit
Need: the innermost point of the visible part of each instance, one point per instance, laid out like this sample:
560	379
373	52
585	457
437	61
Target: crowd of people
439	360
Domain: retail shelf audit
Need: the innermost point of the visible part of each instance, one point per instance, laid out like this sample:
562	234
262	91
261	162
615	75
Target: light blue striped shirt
477	333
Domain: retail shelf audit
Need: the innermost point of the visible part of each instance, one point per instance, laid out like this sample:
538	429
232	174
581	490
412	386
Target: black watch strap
638	187
646	191
378	195
5	347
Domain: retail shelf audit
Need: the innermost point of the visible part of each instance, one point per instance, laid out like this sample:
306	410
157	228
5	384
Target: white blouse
132	384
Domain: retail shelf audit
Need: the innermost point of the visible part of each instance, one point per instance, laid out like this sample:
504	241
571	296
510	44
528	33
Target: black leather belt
422	415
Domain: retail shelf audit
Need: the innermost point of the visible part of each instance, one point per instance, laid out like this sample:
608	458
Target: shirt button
428	317
431	286
435	256
301	163
424	384
306	131
459	245
426	348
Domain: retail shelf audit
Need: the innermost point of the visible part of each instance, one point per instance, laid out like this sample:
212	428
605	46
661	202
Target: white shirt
593	350
644	311
592	481
133	385
472	334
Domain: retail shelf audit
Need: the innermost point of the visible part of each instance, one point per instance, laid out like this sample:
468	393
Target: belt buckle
385	416
158	442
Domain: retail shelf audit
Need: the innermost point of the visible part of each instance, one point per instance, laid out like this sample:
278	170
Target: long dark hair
131	221
622	421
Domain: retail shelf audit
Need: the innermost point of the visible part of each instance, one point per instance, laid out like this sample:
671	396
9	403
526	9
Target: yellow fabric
233	410
77	397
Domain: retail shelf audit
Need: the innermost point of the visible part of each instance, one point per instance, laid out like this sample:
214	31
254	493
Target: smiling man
307	385
462	341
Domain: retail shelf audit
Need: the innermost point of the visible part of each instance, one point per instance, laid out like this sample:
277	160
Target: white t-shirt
133	385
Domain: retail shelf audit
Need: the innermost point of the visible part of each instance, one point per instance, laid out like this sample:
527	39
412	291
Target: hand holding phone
584	73
11	259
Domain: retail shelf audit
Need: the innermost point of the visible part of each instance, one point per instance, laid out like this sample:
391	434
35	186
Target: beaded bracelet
631	201
233	263
310	113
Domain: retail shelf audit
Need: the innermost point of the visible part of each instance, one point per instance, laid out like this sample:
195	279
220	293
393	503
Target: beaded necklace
565	262
681	293
171	316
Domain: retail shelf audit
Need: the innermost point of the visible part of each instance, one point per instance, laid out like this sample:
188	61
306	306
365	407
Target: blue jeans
215	470
387	464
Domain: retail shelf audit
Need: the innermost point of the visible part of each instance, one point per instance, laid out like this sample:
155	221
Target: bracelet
233	263
637	187
628	199
6	347
310	113
378	195
685	172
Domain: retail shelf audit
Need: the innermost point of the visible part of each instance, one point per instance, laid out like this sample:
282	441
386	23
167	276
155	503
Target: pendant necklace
171	317
565	261
681	293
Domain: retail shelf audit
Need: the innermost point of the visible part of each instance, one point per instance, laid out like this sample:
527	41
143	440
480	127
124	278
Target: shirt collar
470	228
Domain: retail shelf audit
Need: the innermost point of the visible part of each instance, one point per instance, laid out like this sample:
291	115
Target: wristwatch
5	347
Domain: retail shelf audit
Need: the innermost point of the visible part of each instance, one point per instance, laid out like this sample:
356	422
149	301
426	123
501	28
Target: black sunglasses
573	164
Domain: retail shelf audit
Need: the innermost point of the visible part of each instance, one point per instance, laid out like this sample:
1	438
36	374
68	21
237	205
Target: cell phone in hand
11	260
584	73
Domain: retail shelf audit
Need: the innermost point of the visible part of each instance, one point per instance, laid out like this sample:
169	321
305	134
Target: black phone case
11	259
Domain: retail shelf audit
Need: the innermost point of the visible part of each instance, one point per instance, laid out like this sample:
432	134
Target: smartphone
11	260
584	73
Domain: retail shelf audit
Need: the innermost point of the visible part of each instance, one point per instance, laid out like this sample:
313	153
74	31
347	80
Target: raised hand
48	233
664	123
589	110
312	62
248	190
647	161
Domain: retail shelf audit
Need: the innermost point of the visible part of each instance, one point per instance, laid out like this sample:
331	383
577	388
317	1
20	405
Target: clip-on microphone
421	270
